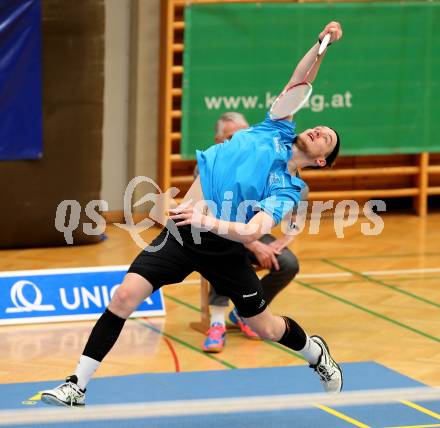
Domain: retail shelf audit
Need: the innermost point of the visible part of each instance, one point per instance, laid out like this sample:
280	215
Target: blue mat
214	384
237	383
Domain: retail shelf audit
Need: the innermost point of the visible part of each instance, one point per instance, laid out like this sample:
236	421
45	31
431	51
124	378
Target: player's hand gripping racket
295	96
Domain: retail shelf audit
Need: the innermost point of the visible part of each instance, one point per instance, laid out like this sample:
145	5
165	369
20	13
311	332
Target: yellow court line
416	426
32	400
36	397
342	416
421	409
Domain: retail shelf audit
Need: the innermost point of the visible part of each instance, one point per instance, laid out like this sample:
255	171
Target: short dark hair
330	159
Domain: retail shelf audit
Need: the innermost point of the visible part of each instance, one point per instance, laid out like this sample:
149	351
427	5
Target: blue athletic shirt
249	173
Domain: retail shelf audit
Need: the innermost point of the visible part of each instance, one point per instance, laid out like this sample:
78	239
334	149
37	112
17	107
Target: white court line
215	406
330	275
401	271
194	281
62	270
323	275
370	273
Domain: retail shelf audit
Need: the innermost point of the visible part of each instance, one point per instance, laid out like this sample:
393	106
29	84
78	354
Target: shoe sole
337	365
212	350
54	401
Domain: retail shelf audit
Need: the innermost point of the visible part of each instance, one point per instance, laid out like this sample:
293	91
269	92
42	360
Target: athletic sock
101	340
217	314
296	338
311	351
85	370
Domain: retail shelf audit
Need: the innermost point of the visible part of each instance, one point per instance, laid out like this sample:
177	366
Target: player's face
229	129
317	142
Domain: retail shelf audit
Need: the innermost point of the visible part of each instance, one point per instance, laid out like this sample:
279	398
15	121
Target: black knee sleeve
294	337
104	335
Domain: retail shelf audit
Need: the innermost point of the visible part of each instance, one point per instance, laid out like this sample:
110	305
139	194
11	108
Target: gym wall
73	85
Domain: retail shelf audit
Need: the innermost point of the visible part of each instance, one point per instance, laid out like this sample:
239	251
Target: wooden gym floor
374	298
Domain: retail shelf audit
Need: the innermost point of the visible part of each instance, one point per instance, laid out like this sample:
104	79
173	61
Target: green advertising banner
379	87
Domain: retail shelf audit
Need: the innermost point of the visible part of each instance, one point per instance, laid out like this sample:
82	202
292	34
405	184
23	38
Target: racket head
290	101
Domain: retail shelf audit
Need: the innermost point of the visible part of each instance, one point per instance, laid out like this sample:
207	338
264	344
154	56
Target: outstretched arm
298	76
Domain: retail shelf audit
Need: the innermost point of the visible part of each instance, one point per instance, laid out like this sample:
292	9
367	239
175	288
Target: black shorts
224	263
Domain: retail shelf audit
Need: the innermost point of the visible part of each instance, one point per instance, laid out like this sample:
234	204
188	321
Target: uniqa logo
22	304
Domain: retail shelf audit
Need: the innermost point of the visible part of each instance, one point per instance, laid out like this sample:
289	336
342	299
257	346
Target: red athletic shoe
236	319
215	340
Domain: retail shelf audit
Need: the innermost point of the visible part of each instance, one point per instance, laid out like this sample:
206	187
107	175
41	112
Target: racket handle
324	44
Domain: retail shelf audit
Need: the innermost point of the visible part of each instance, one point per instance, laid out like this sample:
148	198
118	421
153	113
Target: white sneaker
329	372
66	394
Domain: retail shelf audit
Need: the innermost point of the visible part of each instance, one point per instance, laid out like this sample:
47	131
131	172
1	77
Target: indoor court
114	107
378	309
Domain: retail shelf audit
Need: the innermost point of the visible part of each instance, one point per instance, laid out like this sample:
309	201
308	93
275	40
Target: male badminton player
268	252
244	189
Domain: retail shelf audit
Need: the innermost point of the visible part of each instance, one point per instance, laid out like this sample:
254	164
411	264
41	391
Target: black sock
104	335
294	337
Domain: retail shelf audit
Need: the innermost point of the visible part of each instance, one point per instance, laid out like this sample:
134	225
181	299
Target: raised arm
298	76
